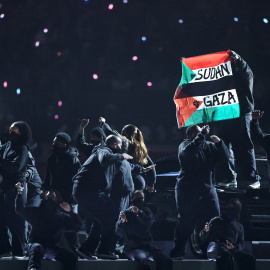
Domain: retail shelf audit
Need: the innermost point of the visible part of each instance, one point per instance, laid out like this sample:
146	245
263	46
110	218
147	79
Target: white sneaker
255	185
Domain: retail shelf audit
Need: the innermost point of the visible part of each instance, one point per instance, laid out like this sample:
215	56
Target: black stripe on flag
209	87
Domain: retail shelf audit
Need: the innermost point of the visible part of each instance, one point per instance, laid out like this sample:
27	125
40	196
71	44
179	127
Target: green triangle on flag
187	74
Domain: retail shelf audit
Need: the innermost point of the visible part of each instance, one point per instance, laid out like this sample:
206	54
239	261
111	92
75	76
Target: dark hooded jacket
13	163
243	79
61	168
98	171
197	158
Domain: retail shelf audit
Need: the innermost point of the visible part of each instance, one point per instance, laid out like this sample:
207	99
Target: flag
206	92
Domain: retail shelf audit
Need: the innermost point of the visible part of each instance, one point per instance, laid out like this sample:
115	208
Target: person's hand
126	156
102	120
18	185
123	217
65	206
148	168
257	114
234	56
150	189
205	129
215	138
229	245
134	209
207	227
84	123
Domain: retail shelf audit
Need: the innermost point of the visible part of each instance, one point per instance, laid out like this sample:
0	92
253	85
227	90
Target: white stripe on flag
212	73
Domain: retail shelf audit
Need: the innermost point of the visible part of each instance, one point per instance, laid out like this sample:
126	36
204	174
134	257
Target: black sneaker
107	255
5	254
86	255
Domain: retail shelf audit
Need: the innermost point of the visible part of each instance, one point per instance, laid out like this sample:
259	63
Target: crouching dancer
48	223
225	235
134	225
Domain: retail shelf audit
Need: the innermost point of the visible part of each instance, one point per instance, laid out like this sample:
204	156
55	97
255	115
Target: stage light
110	7
56	116
180	21
235	19
45	30
59	53
5	84
135	58
37	43
18	91
125	1
143	38
265	20
95	76
2	16
149	84
60	103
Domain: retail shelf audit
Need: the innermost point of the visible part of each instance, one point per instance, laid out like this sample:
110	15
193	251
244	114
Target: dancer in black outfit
13	164
196	196
49	222
134	226
63	164
225	235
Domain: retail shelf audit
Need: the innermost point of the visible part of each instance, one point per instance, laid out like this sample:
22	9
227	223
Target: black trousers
236	135
144	256
226	258
102	209
9	220
192	211
37	252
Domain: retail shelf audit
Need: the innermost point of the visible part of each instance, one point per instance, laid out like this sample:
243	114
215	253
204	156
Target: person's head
20	132
114	142
137	198
134	135
232	209
61	141
192	131
97	135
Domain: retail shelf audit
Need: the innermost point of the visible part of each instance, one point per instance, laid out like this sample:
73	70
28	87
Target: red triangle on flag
185	106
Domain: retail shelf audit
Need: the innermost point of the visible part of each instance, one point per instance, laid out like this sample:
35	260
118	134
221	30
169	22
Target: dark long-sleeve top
61	168
261	139
47	226
243	79
98	171
13	163
150	176
32	177
136	231
197	159
222	229
83	146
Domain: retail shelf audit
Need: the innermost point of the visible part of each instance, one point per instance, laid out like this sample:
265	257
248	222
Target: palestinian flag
206	92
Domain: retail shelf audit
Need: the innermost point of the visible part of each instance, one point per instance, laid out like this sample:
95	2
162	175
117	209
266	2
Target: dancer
134	226
225	235
236	132
13	165
63	164
196	196
49	222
